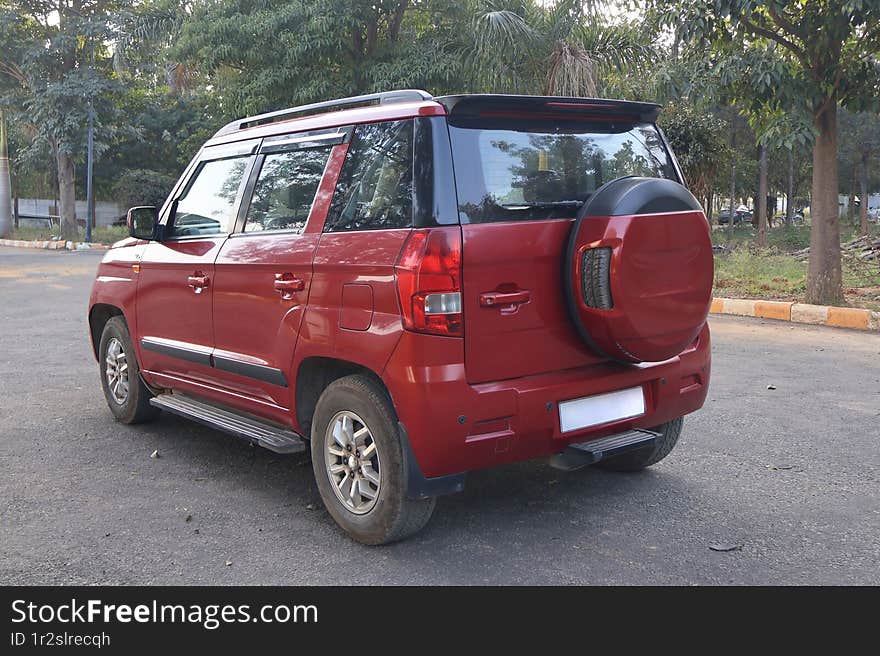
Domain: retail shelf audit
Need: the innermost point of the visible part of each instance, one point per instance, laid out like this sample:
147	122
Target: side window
375	186
206	206
286	189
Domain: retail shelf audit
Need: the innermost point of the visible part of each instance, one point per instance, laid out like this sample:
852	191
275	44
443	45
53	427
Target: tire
638	459
389	515
132	407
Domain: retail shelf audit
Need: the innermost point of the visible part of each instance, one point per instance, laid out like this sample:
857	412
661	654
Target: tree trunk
824	283
761	205
67	195
789	208
851	208
732	200
863	206
5	186
732	179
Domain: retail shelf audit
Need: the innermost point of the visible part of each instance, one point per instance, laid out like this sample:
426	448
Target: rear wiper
542	204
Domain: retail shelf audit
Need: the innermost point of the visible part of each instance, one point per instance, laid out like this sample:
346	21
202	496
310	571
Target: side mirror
142	222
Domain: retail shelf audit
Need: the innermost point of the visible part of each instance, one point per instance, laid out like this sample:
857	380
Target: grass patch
100	234
785	239
745	273
750	273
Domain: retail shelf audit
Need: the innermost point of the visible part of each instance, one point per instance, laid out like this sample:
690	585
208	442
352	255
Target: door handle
504	299
198	281
287	284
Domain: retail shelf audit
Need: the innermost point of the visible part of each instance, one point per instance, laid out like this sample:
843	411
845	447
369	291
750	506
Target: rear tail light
428	274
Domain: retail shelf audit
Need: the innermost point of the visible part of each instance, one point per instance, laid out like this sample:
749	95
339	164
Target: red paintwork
538	336
661	283
168	308
427	381
467	403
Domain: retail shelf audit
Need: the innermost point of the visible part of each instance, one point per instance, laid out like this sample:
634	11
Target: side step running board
266	434
582	454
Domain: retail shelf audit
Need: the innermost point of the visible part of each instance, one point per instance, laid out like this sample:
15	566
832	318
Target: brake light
428	272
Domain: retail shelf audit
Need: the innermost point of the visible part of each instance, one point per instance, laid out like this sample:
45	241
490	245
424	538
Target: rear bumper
455	427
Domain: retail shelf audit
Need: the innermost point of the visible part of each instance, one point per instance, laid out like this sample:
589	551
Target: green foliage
698	140
748	272
46	76
564	48
279	53
791	55
142	187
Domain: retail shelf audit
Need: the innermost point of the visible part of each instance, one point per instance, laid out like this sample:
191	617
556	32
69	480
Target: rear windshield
520	170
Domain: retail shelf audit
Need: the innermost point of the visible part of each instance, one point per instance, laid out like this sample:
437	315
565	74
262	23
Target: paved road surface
790	474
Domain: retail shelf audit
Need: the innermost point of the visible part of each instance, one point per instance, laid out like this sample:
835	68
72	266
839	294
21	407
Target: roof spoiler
481	104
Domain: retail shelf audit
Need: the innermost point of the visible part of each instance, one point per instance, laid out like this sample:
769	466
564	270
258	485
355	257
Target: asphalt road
789	475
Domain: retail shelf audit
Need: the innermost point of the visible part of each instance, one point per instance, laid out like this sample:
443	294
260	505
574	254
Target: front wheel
640	458
358	461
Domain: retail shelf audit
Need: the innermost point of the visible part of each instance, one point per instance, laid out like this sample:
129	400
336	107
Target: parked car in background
414	288
740	215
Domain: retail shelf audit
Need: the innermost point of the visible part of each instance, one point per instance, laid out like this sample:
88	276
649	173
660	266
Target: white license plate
601	409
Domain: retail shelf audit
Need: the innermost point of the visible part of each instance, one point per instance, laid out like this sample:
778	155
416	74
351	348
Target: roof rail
384	98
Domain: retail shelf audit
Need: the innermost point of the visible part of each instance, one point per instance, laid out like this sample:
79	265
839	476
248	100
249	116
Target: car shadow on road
526	506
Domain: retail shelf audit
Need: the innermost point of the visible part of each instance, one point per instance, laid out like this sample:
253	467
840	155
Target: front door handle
287	284
198	281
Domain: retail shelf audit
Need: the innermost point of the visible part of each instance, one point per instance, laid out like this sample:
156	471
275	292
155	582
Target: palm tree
563	48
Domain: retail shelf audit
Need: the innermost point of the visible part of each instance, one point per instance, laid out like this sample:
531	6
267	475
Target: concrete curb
53	245
820	315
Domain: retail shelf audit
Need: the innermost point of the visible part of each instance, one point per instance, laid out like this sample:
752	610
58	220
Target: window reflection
505	175
206	206
286	189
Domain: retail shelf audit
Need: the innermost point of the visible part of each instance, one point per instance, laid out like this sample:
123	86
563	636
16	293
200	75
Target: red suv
417	287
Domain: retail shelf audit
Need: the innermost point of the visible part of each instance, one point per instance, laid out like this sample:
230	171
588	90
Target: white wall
106	212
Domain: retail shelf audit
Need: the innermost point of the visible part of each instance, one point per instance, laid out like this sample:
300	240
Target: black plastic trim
417	485
249	370
474	103
434	199
304	140
179	352
635	195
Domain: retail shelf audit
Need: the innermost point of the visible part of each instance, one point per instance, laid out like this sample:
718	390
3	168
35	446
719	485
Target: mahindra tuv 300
414	288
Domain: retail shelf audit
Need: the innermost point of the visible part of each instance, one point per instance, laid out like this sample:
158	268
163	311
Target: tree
561	48
5	184
288	52
697	138
142	187
827	55
46	79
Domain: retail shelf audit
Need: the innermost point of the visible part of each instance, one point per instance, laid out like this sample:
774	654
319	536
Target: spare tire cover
639	270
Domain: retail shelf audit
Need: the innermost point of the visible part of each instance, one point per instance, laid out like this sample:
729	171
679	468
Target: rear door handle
198	281
287	284
505	299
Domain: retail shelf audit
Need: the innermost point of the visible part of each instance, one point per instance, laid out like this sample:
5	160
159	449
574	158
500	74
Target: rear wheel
358	462
127	396
640	458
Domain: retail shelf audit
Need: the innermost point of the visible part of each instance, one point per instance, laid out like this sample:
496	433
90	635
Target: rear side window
519	170
376	183
285	190
206	207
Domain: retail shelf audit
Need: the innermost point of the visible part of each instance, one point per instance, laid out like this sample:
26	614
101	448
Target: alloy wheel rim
116	371
351	458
